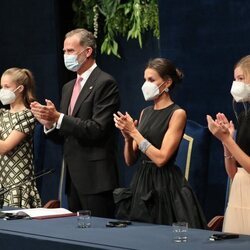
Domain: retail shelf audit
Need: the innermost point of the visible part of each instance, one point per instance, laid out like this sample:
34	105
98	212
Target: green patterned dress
17	165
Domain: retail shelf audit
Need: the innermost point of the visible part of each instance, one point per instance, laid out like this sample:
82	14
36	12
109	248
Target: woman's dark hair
166	69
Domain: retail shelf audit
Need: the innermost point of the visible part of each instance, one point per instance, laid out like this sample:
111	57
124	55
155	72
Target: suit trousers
100	204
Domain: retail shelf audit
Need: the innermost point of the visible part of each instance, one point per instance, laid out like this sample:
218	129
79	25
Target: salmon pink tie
75	93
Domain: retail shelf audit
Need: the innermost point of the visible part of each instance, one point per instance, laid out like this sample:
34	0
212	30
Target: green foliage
109	19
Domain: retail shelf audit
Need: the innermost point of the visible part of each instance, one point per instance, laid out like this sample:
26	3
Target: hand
125	123
45	114
35	109
223	121
217	128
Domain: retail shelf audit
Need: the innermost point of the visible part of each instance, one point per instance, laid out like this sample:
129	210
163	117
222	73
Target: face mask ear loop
164	90
17	88
234	109
80	54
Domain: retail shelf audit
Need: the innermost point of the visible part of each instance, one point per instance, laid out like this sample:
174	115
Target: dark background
203	38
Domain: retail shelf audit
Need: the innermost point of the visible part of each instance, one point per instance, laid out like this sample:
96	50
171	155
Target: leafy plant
109	19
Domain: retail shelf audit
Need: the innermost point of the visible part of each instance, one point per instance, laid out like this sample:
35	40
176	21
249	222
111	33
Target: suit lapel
86	90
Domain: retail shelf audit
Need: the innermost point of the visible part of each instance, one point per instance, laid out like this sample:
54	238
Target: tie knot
78	80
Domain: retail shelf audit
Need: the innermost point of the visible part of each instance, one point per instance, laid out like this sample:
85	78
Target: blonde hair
23	77
244	64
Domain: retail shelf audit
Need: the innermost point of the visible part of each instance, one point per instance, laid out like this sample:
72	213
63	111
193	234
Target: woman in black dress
158	193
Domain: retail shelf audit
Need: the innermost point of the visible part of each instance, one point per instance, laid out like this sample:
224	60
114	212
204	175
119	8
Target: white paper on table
41	212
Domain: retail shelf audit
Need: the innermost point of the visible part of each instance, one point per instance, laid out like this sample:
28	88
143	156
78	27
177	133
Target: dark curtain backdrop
203	38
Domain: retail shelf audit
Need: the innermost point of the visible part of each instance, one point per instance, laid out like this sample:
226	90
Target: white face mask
71	62
240	91
151	91
7	96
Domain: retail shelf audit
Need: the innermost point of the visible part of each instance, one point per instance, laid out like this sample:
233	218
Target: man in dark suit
85	122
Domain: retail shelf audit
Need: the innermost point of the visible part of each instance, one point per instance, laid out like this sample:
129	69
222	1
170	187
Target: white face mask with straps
240	91
151	91
8	96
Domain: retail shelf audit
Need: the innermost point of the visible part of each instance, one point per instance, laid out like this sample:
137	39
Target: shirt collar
85	75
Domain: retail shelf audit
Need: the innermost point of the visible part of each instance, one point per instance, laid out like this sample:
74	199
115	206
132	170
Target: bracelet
228	157
143	145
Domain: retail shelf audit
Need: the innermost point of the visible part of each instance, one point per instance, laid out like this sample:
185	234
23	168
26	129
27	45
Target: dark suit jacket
90	135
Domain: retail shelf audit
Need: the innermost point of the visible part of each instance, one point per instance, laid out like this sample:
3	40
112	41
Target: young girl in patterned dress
16	140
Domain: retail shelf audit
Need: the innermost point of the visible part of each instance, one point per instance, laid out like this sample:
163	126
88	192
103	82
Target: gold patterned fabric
17	165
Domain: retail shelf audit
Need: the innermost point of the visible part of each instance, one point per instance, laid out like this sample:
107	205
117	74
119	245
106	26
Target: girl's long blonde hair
23	77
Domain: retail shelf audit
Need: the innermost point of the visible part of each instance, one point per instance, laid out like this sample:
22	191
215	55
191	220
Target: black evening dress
158	195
